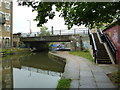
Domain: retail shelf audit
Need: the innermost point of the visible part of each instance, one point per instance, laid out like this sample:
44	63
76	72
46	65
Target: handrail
92	41
100	32
110	45
105	38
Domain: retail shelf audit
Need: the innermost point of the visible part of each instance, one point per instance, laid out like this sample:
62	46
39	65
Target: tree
43	31
91	14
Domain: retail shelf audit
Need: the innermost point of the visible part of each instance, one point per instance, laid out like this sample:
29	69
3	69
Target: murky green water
33	70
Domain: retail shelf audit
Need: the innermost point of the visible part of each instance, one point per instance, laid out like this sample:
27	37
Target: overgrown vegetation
85	54
115	78
63	84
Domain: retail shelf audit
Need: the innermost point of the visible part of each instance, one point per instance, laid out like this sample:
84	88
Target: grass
63	84
115	78
85	54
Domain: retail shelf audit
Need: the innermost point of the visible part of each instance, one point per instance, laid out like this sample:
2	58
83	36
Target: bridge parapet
57	38
77	31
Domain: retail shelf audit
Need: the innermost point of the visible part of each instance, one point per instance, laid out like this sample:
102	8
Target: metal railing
77	31
82	31
110	45
101	34
105	38
92	42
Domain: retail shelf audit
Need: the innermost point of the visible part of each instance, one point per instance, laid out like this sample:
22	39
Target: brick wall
114	34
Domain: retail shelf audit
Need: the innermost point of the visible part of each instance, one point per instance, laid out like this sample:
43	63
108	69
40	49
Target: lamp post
30	26
52	30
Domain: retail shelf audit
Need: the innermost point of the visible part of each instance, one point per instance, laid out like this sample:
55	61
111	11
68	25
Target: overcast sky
21	15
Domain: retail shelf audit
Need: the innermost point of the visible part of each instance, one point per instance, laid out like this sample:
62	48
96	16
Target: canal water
32	70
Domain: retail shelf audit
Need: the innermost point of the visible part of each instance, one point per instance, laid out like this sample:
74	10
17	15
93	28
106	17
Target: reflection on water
7	74
33	79
30	71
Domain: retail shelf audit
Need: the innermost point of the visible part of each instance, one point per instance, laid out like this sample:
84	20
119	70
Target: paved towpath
83	73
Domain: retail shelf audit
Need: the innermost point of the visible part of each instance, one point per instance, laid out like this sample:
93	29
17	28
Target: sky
21	15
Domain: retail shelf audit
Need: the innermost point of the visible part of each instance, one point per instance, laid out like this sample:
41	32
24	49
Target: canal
31	70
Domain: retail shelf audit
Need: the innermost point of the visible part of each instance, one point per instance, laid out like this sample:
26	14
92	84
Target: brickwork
6	23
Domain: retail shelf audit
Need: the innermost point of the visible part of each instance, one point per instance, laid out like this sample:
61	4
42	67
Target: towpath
84	74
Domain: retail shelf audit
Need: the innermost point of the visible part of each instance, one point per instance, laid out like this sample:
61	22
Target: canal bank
71	70
13	51
85	74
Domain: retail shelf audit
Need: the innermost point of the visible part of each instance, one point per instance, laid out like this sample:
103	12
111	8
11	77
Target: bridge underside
40	45
47	41
37	45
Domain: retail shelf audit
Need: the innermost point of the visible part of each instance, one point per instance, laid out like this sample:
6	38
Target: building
16	39
6	14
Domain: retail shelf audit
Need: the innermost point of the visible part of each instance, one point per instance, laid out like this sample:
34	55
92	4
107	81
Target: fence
80	31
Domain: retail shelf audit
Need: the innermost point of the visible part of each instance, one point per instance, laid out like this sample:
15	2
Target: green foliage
91	14
43	31
63	43
63	84
84	54
85	50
